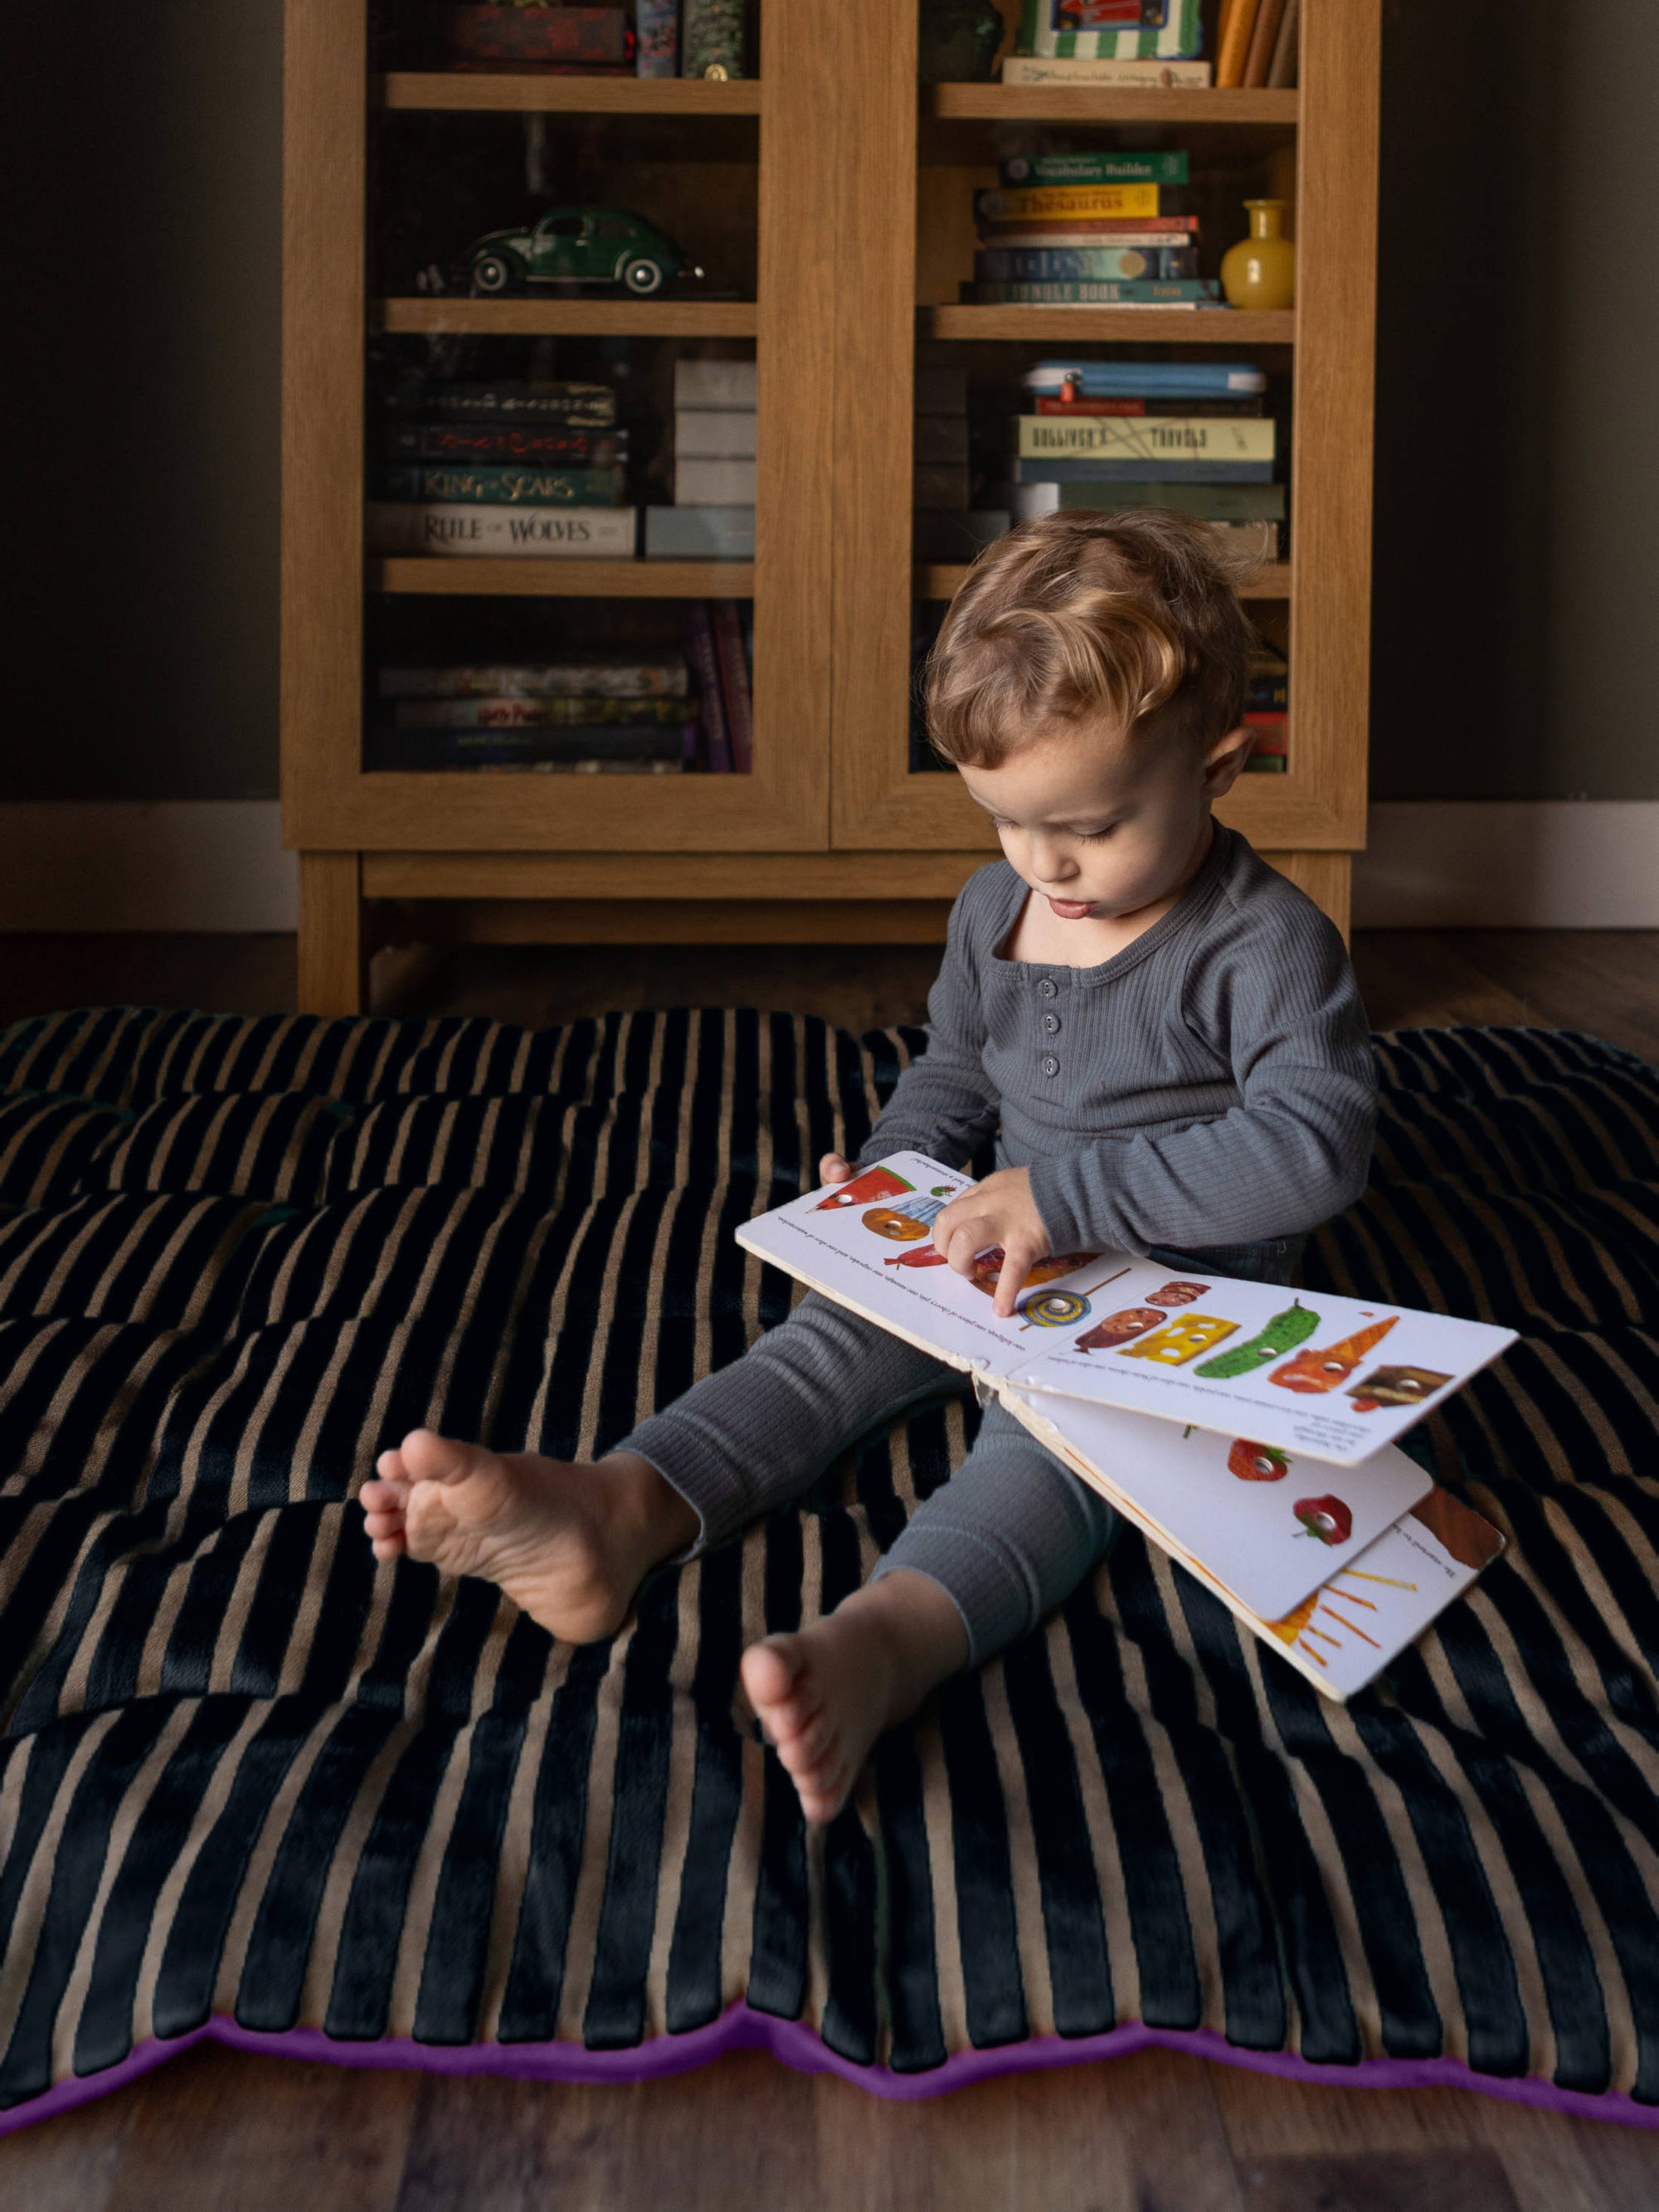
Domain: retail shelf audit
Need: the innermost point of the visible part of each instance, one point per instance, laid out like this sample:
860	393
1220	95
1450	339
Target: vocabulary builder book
1248	1429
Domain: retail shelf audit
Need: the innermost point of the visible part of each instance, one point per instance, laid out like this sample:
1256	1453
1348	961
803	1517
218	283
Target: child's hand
998	1210
833	1169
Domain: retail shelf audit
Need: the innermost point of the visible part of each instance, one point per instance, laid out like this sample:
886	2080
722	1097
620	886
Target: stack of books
536	469
1266	710
720	640
594	715
1087	230
1190	435
946	526
1257	43
713	517
1153	43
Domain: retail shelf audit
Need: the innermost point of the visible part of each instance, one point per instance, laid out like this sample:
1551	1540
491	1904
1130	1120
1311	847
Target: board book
1211	1412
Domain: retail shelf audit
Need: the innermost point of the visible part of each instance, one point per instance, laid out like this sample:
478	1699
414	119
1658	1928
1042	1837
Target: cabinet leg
333	967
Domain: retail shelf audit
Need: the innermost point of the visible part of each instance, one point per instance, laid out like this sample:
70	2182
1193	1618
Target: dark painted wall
1517	509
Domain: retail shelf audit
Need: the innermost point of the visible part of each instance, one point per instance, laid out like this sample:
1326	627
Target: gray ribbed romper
1206	1096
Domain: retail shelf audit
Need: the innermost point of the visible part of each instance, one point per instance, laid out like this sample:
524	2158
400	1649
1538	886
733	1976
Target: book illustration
1180	1341
849	1250
1320	1369
1397	1386
1282	1334
874	1182
1117	1328
1063	1309
986	1274
1257	1463
1327	1519
1473	1542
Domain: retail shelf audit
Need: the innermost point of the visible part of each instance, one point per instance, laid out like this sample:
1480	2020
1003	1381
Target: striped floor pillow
255	1788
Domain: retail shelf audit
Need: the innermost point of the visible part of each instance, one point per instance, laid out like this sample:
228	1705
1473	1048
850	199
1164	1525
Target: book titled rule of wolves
1214	1413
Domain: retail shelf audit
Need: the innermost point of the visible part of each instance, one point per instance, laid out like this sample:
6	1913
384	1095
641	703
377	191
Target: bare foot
826	1693
569	1542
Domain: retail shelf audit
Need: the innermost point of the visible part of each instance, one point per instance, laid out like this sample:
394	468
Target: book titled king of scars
1305	1372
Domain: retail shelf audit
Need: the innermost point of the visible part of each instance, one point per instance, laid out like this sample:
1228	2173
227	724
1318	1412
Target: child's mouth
1071	910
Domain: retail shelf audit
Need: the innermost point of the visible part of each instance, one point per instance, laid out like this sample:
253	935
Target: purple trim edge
741	2028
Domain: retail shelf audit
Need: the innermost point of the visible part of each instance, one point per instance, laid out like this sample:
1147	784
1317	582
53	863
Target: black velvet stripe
987	1932
777	1970
849	1863
908	1913
694	1989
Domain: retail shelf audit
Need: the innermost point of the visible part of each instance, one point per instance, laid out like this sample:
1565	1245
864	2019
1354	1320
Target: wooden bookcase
861	198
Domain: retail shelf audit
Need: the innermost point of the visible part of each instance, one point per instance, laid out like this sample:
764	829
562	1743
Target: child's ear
1224	761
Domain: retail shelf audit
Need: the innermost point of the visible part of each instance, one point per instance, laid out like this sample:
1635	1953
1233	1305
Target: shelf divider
1154	325
528	92
636	578
534	318
1063	103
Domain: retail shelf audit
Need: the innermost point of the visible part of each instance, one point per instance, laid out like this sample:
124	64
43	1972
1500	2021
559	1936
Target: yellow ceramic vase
1259	271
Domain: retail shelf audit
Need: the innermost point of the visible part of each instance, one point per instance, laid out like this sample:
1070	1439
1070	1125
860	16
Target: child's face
1100	825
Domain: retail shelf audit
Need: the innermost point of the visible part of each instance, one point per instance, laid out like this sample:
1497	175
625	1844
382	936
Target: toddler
1163	1036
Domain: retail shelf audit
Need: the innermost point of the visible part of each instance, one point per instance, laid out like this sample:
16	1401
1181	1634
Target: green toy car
578	245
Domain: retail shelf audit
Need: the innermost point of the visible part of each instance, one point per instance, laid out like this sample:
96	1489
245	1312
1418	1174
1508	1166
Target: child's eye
1096	836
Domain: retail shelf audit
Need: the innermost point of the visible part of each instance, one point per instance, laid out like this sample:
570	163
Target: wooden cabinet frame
832	832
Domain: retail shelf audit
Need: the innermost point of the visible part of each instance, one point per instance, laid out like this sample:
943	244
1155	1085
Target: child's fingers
1019	1259
833	1169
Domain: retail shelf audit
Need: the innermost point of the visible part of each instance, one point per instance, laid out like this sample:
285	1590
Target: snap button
1049	987
1051	1023
1051	1066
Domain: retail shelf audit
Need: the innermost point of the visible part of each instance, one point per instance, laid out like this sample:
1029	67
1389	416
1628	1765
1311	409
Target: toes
389	1547
390	1467
384	1496
770	1672
806	1748
427	1458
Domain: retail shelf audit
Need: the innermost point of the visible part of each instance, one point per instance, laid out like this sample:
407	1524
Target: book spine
1170	437
1150	76
619	679
499	444
1224	502
1143	468
490	33
1263	39
734	685
1094	169
1141	404
714	434
1091	230
1234	43
1105	380
1046	264
458	531
1282	72
657	36
503	486
700	533
700	652
713	483
1120	30
728	384
463	748
711	38
592	407
510	714
1189	292
1028	202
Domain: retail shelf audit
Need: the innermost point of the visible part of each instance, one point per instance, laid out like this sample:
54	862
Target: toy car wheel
492	274
643	277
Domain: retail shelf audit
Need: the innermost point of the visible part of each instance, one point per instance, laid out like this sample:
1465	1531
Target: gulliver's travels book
1214	1414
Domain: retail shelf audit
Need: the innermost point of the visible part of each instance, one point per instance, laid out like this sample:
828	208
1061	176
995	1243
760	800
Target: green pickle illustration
1282	1334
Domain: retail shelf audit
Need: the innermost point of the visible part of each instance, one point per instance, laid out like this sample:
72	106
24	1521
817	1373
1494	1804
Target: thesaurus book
1210	1412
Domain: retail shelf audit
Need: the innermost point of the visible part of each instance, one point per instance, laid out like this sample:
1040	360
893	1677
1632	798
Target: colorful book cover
1026	202
1092	230
458	531
1164	437
734	684
1044	264
608	677
1184	380
501	486
1141	404
1093	169
1080	292
657	35
1112	30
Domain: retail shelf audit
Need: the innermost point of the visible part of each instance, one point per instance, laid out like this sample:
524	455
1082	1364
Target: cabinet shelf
1049	103
637	579
1123	326
555	319
523	91
938	580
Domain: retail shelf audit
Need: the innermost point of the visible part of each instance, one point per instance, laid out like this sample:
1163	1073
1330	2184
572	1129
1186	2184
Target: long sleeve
945	1104
1275	999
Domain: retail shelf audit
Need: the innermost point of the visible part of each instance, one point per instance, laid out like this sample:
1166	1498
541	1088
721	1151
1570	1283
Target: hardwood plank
480	2144
1402	2181
738	2134
1052	103
516	91
638	578
1136	2132
69	2164
1605	981
1267	2116
1409	978
219	2127
1560	2164
562	317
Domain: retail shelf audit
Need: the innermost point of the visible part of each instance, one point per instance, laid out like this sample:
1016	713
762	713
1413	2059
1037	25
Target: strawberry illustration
1327	1518
1257	1463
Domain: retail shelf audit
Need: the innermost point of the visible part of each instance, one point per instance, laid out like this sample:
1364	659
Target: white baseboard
219	865
1510	864
189	864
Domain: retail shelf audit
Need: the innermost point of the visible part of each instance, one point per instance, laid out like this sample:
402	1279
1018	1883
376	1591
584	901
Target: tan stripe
1105	1850
514	1853
1030	1936
588	1898
743	1873
131	1810
942	1870
677	1808
247	1161
13	1775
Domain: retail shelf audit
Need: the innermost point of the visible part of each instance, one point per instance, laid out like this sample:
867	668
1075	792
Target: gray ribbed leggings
1008	1538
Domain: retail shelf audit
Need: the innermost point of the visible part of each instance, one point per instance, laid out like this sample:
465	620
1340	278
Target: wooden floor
216	2132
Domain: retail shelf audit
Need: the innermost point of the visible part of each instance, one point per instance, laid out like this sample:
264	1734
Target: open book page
1266	1523
1369	1601
1325	1376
